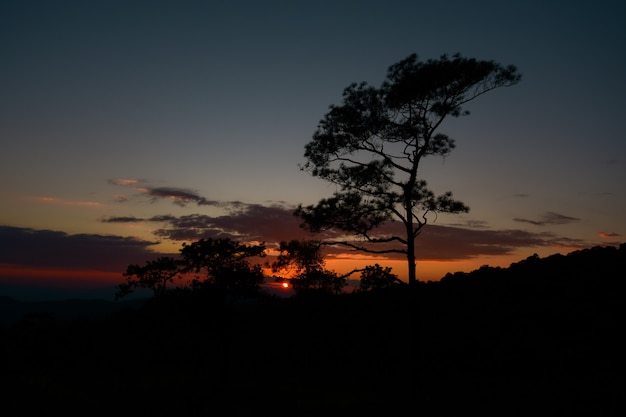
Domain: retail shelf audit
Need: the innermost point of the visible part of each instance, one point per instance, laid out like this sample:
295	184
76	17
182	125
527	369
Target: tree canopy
304	260
221	265
155	275
371	146
224	264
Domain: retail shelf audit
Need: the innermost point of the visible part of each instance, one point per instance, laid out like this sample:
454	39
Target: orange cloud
123	181
54	200
605	235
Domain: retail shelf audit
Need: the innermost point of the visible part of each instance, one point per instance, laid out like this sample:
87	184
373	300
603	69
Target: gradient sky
129	127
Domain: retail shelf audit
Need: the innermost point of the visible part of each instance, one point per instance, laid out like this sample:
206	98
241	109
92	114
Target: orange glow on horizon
427	270
23	275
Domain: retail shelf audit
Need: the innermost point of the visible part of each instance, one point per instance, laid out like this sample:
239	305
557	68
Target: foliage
371	146
300	257
305	261
224	265
154	275
375	277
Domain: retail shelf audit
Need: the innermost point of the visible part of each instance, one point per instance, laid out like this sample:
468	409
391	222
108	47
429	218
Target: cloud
120	198
180	196
605	235
549	218
454	243
54	200
124	181
122	219
449	243
242	222
275	223
53	249
472	224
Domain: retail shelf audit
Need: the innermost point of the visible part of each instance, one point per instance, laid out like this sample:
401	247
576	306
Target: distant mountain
12	311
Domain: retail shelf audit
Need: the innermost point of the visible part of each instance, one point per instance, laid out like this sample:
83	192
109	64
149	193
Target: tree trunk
411	263
410	253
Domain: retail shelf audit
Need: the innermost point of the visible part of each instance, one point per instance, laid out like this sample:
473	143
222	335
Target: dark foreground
543	338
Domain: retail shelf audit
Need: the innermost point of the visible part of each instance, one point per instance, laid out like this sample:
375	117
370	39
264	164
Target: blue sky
144	120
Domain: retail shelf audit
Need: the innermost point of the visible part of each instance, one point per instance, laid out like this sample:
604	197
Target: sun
285	285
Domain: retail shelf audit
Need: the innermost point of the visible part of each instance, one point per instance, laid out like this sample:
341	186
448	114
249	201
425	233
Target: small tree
375	277
224	265
305	261
154	275
372	144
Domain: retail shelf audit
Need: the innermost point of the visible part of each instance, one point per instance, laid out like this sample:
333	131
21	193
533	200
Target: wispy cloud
60	201
179	196
549	218
122	219
124	181
606	235
120	198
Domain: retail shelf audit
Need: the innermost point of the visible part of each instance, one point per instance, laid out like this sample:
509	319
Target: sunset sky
130	127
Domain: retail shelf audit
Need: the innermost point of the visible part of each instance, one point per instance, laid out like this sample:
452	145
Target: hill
542	337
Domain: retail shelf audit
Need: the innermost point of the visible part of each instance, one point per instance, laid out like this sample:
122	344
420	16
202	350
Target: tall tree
371	146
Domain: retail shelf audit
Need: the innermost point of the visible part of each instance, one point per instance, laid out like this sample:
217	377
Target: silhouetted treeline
542	337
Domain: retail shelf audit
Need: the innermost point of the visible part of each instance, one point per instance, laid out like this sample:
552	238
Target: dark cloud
132	219
270	224
451	243
121	219
53	249
244	223
447	243
275	223
549	218
473	224
180	196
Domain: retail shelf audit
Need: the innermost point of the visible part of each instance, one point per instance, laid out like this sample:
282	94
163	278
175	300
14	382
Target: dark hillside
542	337
543	333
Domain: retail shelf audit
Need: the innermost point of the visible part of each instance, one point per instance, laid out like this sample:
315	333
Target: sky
130	127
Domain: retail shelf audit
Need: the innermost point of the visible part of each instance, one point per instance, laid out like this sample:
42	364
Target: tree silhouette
371	146
305	260
154	275
375	277
224	265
